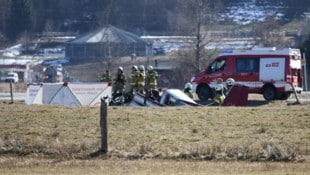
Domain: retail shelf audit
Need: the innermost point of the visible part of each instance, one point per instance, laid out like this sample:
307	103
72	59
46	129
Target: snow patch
246	12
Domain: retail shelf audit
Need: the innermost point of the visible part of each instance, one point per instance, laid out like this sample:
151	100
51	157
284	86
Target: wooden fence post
11	90
104	125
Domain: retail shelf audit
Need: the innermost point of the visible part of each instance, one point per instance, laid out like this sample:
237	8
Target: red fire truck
266	71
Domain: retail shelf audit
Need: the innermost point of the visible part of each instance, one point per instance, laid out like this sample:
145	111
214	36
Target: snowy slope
245	12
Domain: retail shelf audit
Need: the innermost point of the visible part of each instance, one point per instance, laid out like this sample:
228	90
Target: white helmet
120	68
218	87
135	67
141	68
150	68
188	85
230	82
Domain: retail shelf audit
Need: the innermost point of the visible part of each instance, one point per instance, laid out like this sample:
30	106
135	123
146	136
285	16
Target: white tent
70	94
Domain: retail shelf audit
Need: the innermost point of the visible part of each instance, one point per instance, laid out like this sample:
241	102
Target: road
304	98
16	96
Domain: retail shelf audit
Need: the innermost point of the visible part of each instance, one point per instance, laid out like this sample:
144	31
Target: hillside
141	17
245	11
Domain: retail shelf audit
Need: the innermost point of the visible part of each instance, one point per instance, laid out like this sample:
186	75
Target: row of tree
20	17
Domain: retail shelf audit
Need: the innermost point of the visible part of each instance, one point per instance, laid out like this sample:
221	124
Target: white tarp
64	97
50	90
71	94
32	93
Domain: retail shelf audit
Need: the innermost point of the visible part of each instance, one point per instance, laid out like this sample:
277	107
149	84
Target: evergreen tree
18	20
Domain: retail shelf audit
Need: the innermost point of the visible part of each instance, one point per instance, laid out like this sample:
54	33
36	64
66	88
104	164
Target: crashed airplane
170	97
238	96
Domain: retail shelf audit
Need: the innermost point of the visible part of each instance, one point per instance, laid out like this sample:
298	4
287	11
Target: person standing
119	82
134	79
151	79
141	79
106	77
151	83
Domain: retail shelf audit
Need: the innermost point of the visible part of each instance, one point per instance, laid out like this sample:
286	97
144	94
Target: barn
106	42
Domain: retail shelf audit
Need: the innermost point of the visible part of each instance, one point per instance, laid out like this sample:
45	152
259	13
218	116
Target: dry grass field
270	138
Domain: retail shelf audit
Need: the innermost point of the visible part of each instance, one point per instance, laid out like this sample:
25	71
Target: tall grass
269	133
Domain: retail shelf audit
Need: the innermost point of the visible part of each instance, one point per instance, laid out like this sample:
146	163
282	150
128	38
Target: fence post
104	125
11	91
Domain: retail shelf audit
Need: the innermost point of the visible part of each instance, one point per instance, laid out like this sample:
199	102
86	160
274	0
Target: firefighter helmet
141	68
230	82
218	87
120	68
135	67
150	68
188	85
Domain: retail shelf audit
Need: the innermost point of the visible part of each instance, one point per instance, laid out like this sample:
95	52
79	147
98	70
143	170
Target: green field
269	139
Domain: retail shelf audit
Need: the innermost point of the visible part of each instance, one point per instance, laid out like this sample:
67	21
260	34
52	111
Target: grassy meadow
272	138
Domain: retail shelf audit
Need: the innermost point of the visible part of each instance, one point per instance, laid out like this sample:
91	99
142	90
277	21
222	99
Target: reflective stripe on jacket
151	78
134	78
141	79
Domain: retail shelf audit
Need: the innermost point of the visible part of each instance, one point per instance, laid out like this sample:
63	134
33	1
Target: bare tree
268	33
106	13
191	20
194	17
186	64
199	35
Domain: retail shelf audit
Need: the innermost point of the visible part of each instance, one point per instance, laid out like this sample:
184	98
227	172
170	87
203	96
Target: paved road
16	96
304	97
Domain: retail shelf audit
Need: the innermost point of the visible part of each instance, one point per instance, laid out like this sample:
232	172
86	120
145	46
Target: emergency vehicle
266	71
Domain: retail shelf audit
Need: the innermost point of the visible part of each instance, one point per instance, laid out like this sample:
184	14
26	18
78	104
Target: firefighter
188	90
119	81
141	79
134	79
220	92
229	84
151	79
151	83
106	77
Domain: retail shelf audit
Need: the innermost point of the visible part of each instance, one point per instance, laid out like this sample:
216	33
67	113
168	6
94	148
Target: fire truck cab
265	71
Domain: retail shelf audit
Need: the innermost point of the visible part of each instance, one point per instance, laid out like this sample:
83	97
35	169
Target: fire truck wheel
269	93
204	92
